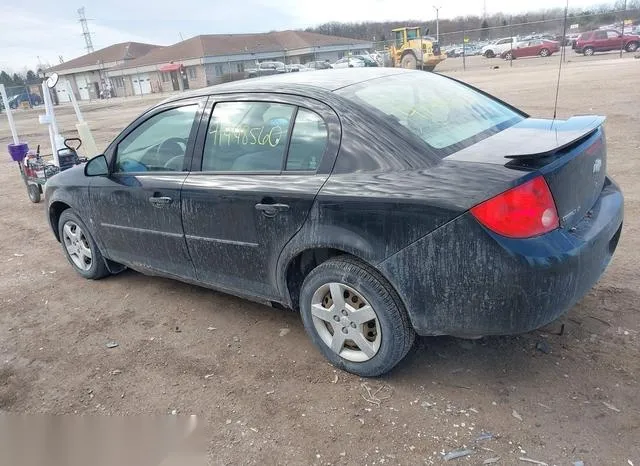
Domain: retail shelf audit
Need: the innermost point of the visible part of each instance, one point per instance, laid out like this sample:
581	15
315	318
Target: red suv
605	40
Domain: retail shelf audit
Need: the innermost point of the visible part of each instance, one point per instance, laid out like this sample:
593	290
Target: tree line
493	26
19	79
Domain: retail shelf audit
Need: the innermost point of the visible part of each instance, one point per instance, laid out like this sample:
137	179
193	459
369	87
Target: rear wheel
632	46
80	248
588	51
354	317
489	54
409	61
508	56
545	52
34	193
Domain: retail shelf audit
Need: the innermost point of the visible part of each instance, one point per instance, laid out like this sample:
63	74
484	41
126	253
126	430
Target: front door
263	163
137	211
614	40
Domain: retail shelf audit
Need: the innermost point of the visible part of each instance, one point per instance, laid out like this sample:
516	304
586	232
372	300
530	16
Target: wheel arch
305	252
55	211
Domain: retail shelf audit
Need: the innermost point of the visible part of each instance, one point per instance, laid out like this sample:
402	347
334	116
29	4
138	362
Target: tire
34	193
409	61
508	56
77	241
545	53
489	54
588	51
389	334
632	47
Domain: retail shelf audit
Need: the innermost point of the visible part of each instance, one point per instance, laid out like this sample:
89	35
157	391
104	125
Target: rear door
263	159
600	41
136	209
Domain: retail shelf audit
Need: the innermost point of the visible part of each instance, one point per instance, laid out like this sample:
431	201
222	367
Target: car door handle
271	210
160	201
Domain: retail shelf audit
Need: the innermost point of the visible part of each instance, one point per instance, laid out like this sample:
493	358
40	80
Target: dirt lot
268	396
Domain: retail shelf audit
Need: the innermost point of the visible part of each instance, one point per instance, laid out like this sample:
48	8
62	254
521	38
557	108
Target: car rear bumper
464	280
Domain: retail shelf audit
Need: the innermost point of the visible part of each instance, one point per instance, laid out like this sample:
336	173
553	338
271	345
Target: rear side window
443	113
309	140
247	137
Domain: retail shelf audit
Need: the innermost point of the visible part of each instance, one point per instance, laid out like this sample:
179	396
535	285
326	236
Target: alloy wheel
346	322
77	245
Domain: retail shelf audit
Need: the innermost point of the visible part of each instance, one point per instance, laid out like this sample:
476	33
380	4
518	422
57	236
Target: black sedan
378	202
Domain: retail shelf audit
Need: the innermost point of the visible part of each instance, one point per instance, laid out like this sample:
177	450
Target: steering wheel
174	147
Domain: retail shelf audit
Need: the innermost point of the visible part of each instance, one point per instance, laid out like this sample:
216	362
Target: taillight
521	212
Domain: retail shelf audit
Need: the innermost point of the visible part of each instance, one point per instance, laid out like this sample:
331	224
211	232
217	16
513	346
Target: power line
85	30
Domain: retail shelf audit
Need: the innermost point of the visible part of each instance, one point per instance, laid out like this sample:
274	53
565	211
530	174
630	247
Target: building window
240	67
219	70
117	81
191	71
165	77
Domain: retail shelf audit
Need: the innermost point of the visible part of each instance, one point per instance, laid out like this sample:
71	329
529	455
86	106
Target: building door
141	84
83	86
174	81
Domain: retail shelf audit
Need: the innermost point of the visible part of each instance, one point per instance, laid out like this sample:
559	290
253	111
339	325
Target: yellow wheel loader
413	51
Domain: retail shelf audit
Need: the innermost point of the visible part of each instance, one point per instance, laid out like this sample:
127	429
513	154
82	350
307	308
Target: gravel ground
266	395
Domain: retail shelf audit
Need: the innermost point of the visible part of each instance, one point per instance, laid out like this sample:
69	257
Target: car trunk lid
571	155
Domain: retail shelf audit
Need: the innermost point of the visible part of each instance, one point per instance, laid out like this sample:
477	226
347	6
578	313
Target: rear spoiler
561	135
530	139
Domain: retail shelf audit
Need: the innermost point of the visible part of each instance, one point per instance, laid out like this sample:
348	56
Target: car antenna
562	57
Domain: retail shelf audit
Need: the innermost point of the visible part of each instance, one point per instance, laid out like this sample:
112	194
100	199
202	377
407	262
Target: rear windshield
446	115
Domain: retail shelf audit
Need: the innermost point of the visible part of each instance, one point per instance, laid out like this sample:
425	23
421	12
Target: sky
39	31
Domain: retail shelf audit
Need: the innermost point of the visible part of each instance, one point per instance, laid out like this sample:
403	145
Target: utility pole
624	15
437	8
85	30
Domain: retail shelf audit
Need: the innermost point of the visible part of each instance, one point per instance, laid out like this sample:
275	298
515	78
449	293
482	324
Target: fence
464	47
26	96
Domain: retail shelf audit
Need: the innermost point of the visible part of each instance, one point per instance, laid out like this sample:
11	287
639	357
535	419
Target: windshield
443	113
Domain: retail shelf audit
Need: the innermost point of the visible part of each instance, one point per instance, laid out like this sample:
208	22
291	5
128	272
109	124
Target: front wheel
489	54
632	46
588	51
545	52
508	56
354	317
409	61
80	248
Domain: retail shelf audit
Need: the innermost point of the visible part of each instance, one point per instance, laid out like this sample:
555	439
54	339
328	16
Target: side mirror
97	166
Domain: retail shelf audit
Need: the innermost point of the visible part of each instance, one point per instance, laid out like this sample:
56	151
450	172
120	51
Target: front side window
612	35
247	137
445	114
158	144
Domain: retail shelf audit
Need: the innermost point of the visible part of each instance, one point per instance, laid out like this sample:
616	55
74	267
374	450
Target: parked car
496	48
319	65
380	203
532	48
606	40
267	68
349	62
30	98
368	60
295	67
